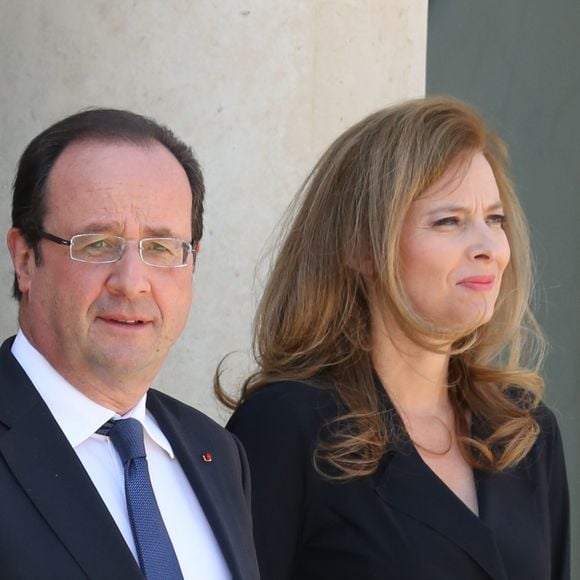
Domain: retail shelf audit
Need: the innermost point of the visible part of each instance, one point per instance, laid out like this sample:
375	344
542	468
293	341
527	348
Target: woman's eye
447	221
496	219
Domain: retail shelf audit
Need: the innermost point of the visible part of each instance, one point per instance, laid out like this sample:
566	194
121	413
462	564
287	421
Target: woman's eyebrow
462	209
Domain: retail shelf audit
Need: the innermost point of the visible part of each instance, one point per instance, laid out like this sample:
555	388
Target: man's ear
23	258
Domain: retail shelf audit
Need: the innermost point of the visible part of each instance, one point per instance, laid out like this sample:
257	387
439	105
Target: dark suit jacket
401	523
53	523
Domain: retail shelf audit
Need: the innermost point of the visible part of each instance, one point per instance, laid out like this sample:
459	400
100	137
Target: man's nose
129	275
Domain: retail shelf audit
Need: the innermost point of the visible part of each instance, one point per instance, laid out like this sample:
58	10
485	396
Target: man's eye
98	245
157	247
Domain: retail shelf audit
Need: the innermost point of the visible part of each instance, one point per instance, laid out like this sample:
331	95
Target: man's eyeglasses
105	249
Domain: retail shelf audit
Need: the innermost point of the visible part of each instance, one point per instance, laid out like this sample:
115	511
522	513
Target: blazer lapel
50	473
409	486
207	482
523	532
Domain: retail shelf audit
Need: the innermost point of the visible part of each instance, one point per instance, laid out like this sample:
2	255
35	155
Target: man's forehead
148	224
85	158
110	181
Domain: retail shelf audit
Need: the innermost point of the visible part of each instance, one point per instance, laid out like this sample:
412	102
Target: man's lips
124	320
478	282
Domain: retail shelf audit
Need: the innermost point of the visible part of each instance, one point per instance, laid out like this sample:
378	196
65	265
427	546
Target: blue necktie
154	548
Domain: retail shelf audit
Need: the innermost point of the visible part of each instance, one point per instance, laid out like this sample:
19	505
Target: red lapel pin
207	458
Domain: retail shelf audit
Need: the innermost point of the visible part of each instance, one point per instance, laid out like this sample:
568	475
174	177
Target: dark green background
518	62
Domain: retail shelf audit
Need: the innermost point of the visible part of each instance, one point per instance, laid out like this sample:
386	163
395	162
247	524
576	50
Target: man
107	216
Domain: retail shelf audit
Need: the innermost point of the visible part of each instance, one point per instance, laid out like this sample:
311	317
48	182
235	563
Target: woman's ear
363	265
23	258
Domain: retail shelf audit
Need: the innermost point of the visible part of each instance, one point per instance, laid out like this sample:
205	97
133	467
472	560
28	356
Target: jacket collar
50	473
47	468
210	484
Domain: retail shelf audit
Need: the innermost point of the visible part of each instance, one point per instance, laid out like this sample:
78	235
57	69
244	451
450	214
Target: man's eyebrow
159	233
102	227
116	228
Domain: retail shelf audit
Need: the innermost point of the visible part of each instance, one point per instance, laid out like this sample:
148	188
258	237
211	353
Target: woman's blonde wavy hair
313	322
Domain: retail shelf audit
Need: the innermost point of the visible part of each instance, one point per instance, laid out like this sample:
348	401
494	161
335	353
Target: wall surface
258	87
518	62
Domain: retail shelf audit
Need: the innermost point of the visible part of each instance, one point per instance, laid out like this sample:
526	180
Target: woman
394	427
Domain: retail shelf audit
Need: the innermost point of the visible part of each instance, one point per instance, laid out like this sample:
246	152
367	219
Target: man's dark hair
38	159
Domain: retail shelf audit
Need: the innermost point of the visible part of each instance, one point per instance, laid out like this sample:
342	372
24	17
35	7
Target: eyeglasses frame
64	242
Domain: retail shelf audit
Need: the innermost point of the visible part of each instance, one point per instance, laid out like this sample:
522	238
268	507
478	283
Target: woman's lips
478	282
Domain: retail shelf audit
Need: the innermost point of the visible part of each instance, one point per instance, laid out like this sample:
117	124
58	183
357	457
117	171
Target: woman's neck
414	376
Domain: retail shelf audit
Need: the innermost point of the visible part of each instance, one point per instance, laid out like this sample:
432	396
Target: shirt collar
140	412
77	415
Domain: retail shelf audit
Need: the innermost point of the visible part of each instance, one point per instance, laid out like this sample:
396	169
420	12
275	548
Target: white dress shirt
195	545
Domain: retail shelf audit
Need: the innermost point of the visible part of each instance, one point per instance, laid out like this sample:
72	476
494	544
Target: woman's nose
486	241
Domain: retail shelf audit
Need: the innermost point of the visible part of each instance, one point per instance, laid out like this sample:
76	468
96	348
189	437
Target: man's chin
129	364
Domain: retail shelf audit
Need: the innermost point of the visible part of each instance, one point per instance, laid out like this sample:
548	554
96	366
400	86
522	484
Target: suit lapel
220	508
50	473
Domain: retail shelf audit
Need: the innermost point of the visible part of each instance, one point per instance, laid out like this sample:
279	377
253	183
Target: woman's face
454	249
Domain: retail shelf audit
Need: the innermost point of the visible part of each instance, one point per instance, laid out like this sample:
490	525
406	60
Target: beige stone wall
258	87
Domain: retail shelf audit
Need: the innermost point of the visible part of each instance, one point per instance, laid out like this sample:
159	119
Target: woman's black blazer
403	522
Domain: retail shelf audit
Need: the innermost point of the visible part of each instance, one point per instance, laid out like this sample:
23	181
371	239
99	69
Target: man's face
108	325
